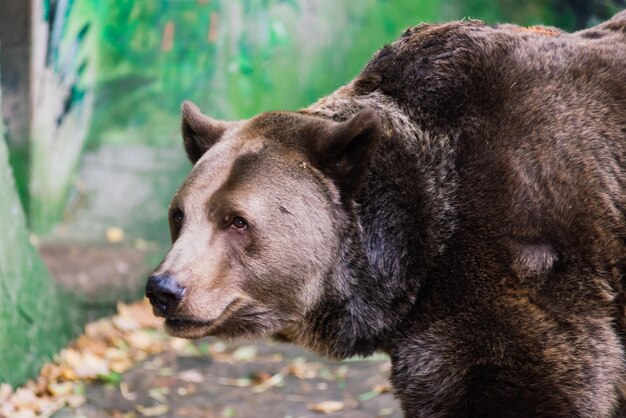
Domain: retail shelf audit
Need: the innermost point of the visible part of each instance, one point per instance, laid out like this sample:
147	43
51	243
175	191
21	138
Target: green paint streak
18	158
36	318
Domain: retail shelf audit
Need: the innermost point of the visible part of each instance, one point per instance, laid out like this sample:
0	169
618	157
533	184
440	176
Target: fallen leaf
75	400
114	235
382	388
268	381
240	383
95	346
153	411
126	393
141	312
159	394
101	330
326	407
5	391
184	347
302	369
24	414
24	399
166	372
245	353
61	389
191	376
47	406
191	389
322	386
125	323
91	366
120	365
7	410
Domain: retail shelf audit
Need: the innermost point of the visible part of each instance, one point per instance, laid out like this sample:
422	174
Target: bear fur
460	205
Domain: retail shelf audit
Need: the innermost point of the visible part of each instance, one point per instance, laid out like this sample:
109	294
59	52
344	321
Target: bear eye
177	216
239	223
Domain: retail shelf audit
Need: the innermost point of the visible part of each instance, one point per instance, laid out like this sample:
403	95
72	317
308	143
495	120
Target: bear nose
164	293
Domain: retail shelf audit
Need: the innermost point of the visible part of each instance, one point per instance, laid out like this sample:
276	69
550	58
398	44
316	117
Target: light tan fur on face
193	260
276	268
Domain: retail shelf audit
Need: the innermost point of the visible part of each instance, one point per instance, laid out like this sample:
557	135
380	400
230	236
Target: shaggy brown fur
460	206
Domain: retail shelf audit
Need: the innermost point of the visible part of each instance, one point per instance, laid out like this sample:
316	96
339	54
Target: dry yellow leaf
75	400
245	353
326	407
85	365
24	399
382	388
114	235
191	376
61	389
153	411
140	340
126	392
5	391
141	312
125	323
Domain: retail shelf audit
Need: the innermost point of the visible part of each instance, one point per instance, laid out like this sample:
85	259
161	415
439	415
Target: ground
265	381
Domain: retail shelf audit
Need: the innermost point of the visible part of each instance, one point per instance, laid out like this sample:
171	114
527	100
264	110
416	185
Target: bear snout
164	294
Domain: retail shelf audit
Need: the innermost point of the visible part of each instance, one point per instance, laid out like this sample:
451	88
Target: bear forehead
291	129
228	167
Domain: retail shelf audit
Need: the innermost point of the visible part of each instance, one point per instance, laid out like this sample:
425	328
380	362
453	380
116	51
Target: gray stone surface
175	385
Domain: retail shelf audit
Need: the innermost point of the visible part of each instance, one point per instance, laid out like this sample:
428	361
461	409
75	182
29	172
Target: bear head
258	224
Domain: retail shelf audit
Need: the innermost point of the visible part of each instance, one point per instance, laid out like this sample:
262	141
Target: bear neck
401	220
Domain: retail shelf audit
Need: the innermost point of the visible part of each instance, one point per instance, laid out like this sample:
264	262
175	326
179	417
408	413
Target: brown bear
460	206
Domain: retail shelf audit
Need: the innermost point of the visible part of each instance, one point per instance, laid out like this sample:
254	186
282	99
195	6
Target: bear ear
343	151
200	132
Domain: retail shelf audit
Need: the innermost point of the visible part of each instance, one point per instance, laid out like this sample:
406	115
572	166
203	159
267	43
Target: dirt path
243	381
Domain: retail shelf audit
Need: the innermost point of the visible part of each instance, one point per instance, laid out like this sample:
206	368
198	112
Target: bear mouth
183	323
187	328
193	328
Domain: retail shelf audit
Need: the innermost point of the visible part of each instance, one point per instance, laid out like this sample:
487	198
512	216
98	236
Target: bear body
460	206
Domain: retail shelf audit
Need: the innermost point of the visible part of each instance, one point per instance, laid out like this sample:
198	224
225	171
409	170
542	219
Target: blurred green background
91	98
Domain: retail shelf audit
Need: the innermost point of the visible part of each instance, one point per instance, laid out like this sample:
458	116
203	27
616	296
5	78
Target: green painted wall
234	58
36	318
